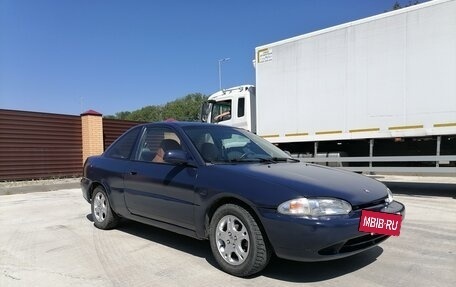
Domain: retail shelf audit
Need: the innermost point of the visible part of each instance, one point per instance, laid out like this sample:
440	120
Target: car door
160	190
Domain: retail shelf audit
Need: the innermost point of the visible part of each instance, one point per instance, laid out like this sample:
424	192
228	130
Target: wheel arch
92	187
237	201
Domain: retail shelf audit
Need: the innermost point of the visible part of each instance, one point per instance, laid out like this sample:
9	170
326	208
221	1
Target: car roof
184	124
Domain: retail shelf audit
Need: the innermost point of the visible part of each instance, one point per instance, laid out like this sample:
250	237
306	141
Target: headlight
390	198
315	207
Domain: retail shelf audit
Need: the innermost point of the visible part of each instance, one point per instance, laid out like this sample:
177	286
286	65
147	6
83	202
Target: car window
122	147
154	142
235	140
241	107
219	145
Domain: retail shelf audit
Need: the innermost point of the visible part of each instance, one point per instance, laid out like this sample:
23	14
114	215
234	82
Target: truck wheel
237	242
102	214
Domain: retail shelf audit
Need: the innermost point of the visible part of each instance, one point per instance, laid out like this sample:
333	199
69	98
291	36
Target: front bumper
328	238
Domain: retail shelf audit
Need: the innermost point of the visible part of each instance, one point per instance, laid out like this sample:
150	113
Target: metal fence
434	164
42	145
39	145
112	129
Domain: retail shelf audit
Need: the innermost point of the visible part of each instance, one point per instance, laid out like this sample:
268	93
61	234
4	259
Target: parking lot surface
48	239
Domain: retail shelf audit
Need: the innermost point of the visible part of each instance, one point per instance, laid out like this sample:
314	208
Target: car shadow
277	269
307	272
199	248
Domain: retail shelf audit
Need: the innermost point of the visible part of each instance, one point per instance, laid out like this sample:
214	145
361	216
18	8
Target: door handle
133	172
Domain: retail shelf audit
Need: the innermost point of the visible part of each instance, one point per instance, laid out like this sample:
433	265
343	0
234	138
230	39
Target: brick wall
92	134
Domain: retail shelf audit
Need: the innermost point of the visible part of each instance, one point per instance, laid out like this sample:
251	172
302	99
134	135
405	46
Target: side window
241	107
123	147
221	111
205	144
155	142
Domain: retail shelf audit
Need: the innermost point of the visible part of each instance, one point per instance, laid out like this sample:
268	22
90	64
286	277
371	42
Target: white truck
380	91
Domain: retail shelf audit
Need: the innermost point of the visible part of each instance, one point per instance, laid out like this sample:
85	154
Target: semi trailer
373	95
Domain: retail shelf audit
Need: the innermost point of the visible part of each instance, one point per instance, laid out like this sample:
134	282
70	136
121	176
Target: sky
69	56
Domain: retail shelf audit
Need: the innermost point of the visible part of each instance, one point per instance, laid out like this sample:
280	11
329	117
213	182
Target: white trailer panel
389	75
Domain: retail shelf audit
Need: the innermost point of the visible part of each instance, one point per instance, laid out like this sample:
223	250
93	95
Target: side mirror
205	109
176	157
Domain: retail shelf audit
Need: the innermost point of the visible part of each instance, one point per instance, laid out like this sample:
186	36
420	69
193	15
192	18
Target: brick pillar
92	134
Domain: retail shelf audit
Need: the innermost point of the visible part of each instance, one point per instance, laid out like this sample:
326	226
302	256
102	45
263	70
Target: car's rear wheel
237	242
102	214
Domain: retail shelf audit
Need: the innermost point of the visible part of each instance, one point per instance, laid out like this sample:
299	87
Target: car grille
355	244
370	205
361	242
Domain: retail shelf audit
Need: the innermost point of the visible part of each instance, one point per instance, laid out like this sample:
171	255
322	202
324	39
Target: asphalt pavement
48	239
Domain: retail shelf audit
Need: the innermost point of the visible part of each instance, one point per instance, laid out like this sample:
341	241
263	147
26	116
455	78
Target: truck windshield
221	111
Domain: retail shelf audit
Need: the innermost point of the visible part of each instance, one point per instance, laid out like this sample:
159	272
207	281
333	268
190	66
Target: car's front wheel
102	214
237	242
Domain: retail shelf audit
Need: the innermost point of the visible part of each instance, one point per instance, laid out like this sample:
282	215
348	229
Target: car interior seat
209	152
146	155
169	144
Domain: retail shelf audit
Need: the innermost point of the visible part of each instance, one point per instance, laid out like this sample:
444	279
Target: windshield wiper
261	159
252	159
267	159
285	159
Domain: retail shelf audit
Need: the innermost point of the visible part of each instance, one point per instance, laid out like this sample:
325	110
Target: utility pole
220	71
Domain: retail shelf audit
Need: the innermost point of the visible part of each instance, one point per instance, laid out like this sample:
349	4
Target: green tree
123	115
147	114
182	109
398	5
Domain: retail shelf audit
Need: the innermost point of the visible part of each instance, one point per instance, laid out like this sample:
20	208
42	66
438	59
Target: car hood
309	180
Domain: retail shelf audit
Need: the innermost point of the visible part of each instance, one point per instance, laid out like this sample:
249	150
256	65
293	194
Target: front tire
102	214
237	242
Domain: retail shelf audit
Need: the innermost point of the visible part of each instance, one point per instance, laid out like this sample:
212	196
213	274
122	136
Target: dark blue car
248	197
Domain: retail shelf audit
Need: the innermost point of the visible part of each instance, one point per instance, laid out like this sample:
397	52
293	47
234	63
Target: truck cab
232	107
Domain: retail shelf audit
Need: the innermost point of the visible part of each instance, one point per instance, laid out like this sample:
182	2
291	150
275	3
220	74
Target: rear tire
102	214
237	242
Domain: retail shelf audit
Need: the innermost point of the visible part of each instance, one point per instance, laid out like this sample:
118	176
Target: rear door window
123	147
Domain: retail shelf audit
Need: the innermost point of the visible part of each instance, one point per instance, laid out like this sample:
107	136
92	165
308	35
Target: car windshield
220	144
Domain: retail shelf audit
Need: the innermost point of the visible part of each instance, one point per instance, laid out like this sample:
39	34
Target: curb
41	186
